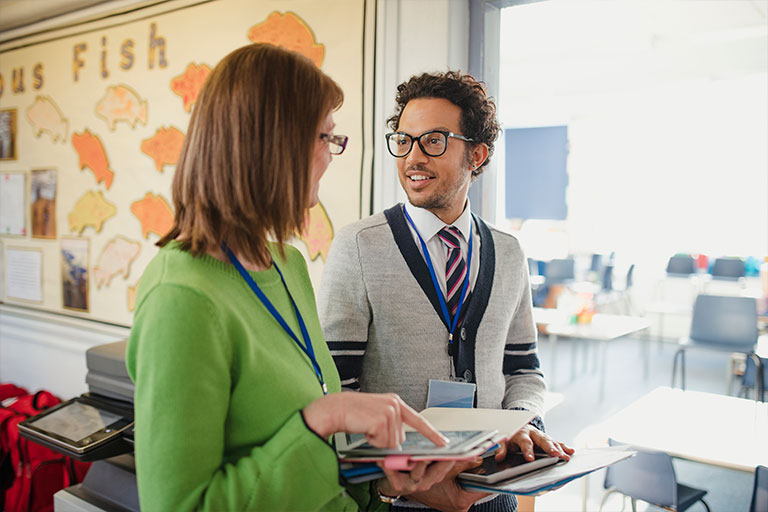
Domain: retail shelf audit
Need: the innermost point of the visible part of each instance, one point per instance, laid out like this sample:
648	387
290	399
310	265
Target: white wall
413	36
40	350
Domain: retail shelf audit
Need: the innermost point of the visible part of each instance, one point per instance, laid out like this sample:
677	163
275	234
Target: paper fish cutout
131	296
154	213
92	155
121	103
164	147
116	258
90	210
45	117
318	232
290	32
188	85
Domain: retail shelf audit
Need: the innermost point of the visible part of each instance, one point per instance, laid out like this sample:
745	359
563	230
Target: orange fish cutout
154	213
188	85
92	155
164	147
290	32
318	232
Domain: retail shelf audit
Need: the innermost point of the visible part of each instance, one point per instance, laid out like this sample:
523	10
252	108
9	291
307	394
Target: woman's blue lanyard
438	290
307	347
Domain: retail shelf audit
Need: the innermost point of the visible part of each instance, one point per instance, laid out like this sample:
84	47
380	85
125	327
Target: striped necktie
455	269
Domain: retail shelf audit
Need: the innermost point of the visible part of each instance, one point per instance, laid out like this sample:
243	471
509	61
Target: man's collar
428	224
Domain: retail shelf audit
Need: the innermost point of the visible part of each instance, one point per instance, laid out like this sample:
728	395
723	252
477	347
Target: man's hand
448	495
529	436
421	478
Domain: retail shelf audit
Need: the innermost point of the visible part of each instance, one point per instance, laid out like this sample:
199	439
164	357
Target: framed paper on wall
8	134
42	203
74	273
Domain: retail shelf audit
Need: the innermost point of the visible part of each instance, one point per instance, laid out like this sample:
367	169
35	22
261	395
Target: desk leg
603	344
574	356
553	358
646	355
584	492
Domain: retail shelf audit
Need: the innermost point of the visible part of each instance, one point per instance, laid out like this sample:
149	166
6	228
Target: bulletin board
92	121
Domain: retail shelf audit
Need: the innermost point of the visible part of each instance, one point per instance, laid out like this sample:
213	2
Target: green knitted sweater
220	387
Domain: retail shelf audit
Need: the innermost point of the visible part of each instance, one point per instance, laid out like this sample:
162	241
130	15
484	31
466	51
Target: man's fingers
413	419
417	473
501	453
437	471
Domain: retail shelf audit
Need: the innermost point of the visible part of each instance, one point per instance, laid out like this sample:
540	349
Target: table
719	430
603	328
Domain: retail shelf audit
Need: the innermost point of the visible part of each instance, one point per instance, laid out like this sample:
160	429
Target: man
427	291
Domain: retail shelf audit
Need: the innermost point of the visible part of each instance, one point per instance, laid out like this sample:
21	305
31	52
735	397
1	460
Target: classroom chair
730	269
650	477
750	378
681	265
719	323
560	270
760	490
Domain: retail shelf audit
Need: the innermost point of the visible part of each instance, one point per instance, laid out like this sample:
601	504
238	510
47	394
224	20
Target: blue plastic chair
728	269
750	377
760	490
650	477
681	265
721	323
560	270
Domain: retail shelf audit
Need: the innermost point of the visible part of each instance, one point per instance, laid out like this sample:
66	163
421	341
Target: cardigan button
463	334
468	375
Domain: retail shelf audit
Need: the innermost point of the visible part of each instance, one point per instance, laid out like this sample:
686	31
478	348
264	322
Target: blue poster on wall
535	172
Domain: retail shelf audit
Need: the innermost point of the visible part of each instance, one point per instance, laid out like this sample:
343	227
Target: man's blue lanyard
438	290
307	347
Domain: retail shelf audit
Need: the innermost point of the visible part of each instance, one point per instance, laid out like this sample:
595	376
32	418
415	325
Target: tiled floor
580	406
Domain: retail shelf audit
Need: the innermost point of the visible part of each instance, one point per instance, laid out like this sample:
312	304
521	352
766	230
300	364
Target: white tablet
414	444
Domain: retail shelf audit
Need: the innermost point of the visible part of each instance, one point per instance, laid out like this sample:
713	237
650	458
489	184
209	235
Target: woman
226	350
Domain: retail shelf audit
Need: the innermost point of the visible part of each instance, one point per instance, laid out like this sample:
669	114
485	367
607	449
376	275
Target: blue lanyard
440	296
307	347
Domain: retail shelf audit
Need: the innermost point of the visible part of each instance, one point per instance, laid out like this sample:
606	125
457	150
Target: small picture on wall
8	134
13	206
74	273
43	203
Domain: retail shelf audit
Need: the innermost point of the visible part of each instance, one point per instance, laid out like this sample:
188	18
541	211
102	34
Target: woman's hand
379	416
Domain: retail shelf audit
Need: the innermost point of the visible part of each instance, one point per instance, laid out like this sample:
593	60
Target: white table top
704	427
602	327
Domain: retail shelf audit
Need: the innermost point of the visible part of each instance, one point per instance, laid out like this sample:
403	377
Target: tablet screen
75	421
416	441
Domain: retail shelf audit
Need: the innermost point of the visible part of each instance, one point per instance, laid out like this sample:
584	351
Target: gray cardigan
382	321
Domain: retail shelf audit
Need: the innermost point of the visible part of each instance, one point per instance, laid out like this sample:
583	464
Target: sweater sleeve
345	312
180	359
525	385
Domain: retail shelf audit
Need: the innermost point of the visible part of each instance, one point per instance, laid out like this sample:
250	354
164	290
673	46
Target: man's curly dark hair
478	111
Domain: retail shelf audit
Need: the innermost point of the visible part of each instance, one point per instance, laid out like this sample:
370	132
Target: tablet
78	425
512	466
414	444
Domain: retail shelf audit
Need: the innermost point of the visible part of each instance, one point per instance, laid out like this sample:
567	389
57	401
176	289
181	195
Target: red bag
30	474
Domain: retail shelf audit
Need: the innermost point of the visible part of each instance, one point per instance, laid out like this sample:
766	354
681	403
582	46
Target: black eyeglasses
432	143
336	143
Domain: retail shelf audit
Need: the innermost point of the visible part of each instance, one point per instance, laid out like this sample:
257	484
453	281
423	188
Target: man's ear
479	154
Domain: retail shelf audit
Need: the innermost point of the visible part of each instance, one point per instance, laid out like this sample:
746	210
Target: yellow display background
194	32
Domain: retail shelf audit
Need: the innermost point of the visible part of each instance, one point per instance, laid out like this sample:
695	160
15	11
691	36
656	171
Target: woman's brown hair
244	171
